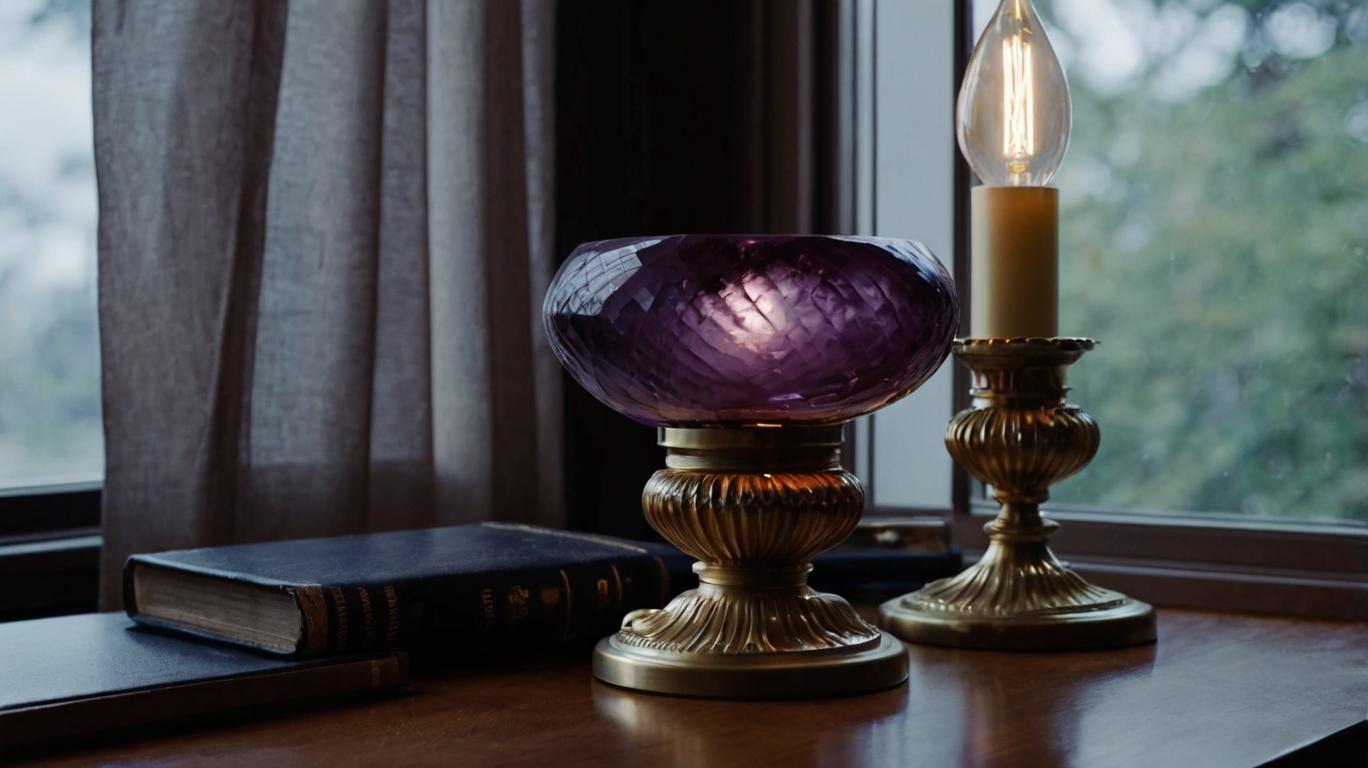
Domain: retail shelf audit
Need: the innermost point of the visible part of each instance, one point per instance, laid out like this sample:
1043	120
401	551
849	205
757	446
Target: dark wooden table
1218	690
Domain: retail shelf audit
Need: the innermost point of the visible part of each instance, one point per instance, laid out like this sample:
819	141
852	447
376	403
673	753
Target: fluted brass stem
1020	436
754	505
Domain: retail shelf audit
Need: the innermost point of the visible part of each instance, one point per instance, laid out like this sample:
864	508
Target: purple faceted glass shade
696	330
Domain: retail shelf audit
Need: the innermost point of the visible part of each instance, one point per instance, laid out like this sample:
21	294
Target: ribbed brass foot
1019	597
1020	437
754	505
728	640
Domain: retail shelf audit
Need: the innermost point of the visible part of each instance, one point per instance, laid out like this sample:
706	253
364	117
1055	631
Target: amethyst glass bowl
692	330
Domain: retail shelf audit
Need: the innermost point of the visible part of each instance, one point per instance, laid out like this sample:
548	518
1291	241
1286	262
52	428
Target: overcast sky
47	183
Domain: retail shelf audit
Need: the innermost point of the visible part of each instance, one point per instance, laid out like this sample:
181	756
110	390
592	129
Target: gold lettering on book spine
487	607
605	600
517	604
392	621
340	602
368	616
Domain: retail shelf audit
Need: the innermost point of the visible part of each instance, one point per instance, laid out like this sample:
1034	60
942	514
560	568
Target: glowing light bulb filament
1013	111
1018	105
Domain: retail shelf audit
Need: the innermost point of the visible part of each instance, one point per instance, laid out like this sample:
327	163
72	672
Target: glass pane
49	346
1215	241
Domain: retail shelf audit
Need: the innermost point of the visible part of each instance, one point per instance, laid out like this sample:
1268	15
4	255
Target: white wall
905	188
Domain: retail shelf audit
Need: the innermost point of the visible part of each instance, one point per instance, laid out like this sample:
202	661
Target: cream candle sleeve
1014	246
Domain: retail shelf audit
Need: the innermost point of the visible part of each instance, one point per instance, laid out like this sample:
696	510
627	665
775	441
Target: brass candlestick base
1020	436
754	505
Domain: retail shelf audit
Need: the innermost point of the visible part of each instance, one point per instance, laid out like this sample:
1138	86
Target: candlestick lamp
1019	435
749	354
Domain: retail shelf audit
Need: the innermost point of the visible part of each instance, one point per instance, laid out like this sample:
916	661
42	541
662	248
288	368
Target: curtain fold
324	237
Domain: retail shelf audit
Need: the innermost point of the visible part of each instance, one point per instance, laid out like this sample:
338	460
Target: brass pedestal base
754	505
1020	436
1019	597
1128	623
879	664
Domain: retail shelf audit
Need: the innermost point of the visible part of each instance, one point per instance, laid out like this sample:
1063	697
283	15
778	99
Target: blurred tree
1215	240
50	427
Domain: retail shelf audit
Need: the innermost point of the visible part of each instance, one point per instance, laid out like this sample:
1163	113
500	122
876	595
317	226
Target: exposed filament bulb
1014	111
1018	104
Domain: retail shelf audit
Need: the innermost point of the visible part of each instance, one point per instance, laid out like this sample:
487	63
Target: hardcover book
79	675
490	585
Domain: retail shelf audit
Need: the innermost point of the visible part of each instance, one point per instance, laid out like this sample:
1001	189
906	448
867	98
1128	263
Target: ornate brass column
1020	436
754	505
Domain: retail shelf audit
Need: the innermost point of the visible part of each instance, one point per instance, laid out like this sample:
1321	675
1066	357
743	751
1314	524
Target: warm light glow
1018	107
1014	111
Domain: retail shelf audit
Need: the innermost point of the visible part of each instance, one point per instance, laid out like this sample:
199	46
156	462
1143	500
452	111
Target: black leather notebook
95	672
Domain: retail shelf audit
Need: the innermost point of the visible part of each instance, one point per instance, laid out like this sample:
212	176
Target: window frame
43	512
1206	561
49	549
50	532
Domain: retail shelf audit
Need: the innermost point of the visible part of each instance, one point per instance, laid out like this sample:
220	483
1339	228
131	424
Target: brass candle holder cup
1020	436
754	505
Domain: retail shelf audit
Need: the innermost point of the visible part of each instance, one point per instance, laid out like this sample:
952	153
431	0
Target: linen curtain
324	237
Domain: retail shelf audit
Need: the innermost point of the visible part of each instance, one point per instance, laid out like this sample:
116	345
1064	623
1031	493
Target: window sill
1273	568
47	576
49	510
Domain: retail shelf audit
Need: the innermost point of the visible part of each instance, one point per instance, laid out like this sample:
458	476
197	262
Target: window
1211	240
1213	213
50	428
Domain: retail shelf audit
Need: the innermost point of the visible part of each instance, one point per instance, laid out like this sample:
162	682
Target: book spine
515	610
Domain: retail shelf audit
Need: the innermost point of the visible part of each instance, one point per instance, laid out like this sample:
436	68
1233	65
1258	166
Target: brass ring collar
753	448
727	437
710	575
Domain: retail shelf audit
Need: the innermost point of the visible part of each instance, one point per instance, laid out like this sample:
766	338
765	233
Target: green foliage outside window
1215	241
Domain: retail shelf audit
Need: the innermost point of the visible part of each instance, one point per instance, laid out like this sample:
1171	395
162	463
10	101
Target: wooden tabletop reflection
1217	690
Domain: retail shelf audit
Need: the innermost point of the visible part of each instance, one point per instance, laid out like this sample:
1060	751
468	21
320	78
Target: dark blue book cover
491	584
496	586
